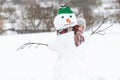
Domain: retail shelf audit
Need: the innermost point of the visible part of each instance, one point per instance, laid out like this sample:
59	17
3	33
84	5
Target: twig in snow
98	31
29	44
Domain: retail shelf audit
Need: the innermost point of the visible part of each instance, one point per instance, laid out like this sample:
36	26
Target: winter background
96	59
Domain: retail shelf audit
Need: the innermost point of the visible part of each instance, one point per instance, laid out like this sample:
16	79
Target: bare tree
33	14
37	18
11	11
1	26
86	7
1	18
1	5
48	17
118	2
30	15
17	1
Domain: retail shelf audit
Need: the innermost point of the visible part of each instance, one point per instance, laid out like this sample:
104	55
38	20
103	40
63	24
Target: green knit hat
64	9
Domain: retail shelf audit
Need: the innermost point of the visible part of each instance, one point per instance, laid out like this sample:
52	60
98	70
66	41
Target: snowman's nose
68	20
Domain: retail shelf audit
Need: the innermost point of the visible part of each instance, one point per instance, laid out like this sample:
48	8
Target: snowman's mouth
69	24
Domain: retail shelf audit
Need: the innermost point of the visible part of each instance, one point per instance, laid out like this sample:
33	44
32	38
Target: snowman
69	37
69	33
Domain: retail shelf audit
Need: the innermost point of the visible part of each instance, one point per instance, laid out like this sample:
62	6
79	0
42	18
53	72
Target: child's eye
62	16
70	16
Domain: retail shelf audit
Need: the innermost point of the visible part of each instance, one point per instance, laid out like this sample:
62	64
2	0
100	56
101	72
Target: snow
96	59
27	64
103	57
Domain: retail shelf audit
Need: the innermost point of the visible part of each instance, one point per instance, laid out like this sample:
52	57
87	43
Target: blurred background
33	16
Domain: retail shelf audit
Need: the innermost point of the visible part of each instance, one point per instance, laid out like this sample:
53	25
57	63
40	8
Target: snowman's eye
70	16
62	17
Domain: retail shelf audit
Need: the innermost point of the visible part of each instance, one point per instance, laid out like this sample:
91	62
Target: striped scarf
78	37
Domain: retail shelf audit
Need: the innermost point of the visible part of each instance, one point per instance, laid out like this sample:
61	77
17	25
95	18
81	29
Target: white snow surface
95	59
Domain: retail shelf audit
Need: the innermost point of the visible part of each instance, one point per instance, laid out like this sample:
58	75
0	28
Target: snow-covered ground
96	59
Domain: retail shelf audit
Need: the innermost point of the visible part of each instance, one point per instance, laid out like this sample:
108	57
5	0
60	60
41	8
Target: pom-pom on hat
64	10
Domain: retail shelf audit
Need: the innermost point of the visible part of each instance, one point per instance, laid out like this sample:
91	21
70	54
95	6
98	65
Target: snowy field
96	59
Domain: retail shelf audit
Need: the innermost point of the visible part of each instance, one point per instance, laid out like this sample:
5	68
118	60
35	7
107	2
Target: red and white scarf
78	37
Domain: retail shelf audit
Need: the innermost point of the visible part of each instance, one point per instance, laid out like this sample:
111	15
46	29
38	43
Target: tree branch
29	44
98	31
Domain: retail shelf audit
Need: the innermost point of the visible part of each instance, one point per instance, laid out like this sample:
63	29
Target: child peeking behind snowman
66	21
81	22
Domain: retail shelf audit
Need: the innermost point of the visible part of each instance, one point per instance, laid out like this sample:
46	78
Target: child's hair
80	15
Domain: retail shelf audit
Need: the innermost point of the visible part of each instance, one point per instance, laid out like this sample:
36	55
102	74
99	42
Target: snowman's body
63	43
70	61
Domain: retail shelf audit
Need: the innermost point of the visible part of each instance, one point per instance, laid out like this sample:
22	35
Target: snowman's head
65	18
